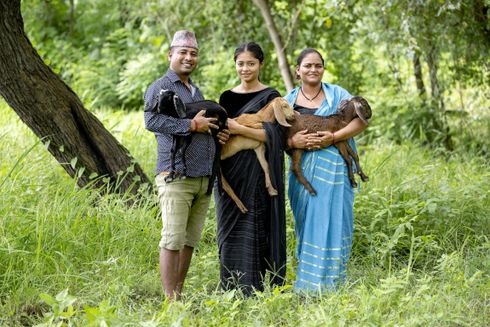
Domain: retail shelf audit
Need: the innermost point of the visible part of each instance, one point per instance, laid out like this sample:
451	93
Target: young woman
324	223
251	244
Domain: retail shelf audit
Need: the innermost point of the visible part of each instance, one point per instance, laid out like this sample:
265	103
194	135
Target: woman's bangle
333	137
291	143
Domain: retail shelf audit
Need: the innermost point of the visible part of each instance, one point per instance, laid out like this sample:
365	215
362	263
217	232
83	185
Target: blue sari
323	223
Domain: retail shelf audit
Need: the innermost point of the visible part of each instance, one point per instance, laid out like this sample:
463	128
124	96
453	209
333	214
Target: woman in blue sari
323	223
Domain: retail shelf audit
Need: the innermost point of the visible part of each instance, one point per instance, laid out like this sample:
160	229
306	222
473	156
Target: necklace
318	93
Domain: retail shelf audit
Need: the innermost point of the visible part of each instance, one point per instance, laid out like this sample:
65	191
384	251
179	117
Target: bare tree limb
294	21
276	40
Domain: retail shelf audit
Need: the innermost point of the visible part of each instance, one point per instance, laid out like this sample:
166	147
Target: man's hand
201	124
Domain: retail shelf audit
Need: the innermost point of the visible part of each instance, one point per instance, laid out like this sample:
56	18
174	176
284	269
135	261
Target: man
183	202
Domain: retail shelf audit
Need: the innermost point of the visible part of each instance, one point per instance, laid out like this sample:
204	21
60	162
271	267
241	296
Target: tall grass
71	256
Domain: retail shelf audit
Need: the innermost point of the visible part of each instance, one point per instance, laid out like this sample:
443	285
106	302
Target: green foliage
110	51
71	257
61	308
421	248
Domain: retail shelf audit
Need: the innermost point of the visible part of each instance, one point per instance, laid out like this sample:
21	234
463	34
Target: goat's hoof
243	209
169	179
312	192
272	191
354	184
364	178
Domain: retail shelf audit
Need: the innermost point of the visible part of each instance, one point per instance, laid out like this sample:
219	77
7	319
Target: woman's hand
233	126
223	136
310	141
300	140
320	139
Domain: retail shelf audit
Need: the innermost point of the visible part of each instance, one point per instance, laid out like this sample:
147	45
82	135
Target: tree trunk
276	40
392	59
434	81
77	139
439	119
419	79
72	17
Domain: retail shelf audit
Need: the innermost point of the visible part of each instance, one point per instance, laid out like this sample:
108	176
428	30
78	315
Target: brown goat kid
277	110
347	110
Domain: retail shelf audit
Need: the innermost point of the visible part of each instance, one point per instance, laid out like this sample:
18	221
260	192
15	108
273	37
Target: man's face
183	60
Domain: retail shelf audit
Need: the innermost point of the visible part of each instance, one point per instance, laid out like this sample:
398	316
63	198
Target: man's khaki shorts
184	206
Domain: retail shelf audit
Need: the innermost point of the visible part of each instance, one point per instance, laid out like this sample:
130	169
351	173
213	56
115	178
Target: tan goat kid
277	110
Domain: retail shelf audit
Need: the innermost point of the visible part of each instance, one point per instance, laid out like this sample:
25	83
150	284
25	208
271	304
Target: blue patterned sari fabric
323	223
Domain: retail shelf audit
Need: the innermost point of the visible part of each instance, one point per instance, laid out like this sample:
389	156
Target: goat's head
170	104
356	106
282	111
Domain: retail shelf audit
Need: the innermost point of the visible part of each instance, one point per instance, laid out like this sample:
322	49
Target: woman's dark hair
306	52
253	48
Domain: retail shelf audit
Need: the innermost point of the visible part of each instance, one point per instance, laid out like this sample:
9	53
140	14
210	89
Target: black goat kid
170	104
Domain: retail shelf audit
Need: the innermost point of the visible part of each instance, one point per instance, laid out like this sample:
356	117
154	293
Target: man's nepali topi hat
184	38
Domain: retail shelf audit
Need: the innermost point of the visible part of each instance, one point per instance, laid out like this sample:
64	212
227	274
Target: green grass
72	257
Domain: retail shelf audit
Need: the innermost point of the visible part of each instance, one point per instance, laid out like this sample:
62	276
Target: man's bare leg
185	256
169	272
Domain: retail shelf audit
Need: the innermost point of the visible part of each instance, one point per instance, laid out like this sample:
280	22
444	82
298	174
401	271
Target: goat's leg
354	156
215	169
185	144
231	193
298	172
345	154
173	151
237	143
260	152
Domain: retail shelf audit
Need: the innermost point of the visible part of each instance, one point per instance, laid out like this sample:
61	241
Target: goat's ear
158	104
342	105
281	111
362	111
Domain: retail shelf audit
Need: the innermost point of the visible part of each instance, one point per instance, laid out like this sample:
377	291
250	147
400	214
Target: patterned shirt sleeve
160	123
200	153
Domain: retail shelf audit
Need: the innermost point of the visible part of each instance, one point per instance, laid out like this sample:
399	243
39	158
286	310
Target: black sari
251	244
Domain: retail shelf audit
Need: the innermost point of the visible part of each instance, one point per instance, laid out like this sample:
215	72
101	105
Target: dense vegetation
420	253
421	248
424	64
